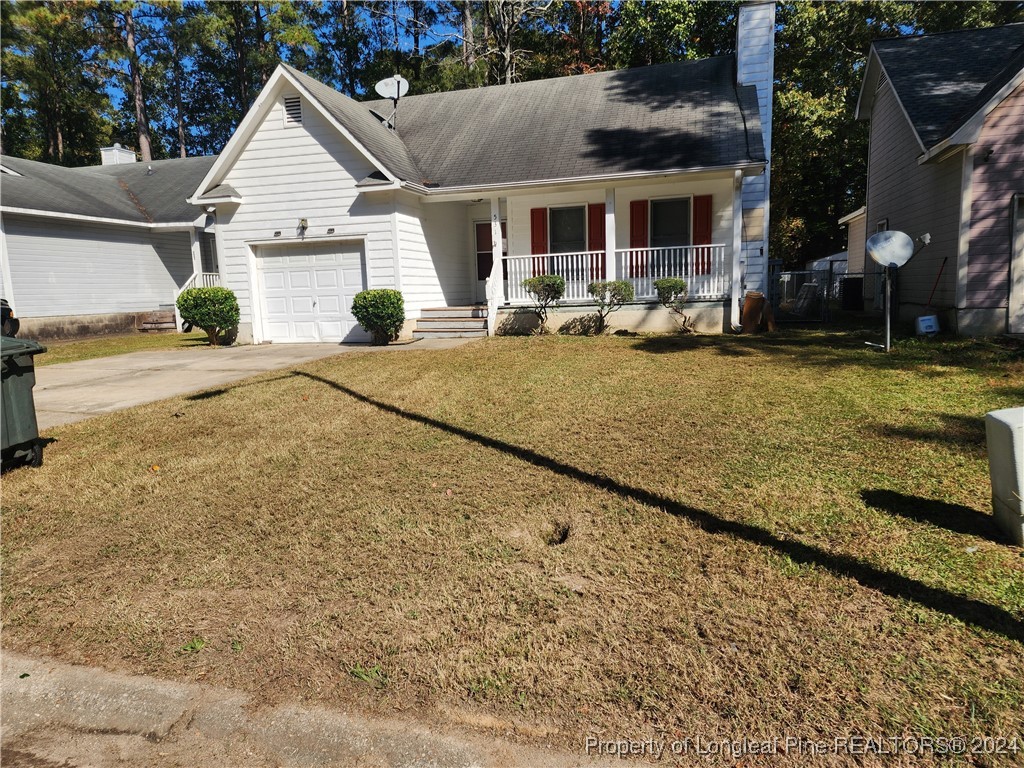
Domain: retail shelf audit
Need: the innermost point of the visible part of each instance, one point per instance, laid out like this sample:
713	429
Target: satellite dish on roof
890	248
392	88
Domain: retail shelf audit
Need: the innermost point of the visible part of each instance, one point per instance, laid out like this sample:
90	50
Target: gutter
96	219
748	169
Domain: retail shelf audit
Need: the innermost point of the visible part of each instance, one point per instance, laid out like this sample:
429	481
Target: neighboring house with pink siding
946	156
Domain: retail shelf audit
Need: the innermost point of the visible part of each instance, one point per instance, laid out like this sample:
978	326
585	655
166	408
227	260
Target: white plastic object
1004	432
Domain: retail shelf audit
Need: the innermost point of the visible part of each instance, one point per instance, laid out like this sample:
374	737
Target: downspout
5	267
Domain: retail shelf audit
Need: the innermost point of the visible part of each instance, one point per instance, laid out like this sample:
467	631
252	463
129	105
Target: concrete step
448	333
458	323
436	312
158	321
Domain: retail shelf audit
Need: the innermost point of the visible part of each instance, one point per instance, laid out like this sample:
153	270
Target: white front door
307	291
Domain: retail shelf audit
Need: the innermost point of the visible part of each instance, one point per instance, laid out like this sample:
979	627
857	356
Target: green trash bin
19	432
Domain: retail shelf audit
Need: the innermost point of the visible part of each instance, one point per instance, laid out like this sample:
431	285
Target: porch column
737	248
609	234
197	254
496	281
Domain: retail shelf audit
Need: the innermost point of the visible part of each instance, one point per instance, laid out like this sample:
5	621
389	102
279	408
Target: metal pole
888	314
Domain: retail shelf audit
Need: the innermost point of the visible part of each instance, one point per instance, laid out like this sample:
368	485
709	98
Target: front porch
705	269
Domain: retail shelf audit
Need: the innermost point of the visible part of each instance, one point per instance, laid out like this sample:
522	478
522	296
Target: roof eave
97	219
749	168
862	211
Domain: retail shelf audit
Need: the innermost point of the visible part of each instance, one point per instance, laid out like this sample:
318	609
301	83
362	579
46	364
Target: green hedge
381	312
215	310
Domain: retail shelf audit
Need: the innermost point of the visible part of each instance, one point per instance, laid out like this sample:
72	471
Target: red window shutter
538	237
702	233
595	239
638	237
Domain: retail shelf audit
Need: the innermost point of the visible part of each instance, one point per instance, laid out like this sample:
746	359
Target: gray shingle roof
943	79
127	192
648	119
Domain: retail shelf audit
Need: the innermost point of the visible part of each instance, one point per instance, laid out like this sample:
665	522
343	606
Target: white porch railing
197	280
578	269
705	268
202	280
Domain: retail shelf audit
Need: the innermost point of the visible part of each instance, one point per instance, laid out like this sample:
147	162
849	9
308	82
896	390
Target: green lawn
105	346
649	537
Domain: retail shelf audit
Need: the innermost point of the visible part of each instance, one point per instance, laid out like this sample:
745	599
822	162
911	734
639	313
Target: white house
634	175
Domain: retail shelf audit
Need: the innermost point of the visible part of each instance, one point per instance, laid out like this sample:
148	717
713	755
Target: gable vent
882	80
292	110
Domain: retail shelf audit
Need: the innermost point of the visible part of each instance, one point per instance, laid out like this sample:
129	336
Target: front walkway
70	392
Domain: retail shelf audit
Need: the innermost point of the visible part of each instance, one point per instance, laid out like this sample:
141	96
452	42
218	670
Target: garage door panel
300	305
330	305
326	278
308	294
273	280
277	305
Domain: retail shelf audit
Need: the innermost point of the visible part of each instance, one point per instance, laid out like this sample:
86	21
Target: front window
670	223
568	230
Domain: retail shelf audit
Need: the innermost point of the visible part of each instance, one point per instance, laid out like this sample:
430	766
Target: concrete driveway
71	392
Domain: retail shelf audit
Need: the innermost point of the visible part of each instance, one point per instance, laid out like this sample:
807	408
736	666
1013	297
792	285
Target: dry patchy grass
554	537
118	344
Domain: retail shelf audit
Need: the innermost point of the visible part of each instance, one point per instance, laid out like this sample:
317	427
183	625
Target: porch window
568	229
670	222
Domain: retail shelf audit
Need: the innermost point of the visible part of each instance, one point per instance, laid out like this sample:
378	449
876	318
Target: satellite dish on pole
392	88
890	249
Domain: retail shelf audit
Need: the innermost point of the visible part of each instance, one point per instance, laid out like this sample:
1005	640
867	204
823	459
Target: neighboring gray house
946	156
98	249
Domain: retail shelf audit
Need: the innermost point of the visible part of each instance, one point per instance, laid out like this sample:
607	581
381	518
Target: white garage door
307	291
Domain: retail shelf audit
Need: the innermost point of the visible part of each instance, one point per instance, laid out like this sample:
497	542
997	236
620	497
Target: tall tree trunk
179	108
138	97
417	58
397	41
262	42
468	45
238	48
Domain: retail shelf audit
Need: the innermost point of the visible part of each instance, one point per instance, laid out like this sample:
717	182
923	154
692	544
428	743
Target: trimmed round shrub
381	312
215	310
547	291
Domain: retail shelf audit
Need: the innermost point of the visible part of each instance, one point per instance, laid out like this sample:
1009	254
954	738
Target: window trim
586	223
650	219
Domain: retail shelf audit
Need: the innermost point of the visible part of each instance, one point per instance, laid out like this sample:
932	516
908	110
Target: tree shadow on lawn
964	433
952	517
966	609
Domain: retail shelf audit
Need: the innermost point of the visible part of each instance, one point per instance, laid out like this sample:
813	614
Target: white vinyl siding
302	172
77	268
435	260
